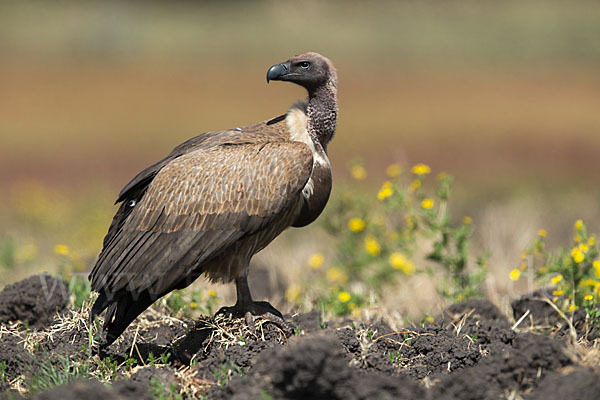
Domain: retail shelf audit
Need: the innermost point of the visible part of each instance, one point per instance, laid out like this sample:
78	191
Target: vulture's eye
304	65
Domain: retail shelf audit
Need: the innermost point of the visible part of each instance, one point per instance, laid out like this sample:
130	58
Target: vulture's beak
278	71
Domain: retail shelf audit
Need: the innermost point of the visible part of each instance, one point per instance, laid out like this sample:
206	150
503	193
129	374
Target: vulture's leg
249	309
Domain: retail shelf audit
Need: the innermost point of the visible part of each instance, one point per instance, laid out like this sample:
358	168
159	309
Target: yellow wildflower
427	204
578	224
596	265
577	255
514	275
316	260
414	185
193	305
397	260
572	307
408	268
344	297
336	275
351	306
355	313
429	319
542	233
61	249
554	299
467	220
441	176
358	172
524	255
589	282
356	224
524	265
577	238
583	247
372	246
591	240
556	279
292	293
558	292
212	293
421	169
543	270
393	170
589	297
385	191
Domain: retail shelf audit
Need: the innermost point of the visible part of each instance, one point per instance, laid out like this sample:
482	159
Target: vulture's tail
123	308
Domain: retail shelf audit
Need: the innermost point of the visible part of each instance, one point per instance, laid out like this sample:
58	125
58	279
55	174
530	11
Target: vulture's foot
262	309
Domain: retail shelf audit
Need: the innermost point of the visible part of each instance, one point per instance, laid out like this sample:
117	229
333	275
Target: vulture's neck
322	112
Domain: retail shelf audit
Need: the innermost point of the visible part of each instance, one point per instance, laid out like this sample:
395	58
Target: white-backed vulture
216	200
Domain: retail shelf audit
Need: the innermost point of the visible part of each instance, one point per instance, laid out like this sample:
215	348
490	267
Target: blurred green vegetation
571	275
417	32
378	239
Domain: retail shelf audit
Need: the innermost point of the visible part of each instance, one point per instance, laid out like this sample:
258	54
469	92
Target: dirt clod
34	301
91	389
315	368
571	383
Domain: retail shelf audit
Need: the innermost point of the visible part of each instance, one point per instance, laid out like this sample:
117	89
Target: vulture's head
310	70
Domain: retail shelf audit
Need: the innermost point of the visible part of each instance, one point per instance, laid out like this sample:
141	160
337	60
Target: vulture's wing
139	183
196	206
136	187
193	209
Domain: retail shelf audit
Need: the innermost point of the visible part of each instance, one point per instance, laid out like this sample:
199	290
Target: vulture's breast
318	187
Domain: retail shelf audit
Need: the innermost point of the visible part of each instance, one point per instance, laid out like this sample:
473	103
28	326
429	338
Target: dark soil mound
570	383
12	355
315	367
416	353
162	376
536	310
34	301
482	310
94	390
513	368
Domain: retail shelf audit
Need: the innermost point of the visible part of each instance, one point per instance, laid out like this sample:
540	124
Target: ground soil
468	352
34	300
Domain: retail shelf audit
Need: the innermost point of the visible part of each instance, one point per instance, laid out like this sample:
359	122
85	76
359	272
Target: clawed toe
256	309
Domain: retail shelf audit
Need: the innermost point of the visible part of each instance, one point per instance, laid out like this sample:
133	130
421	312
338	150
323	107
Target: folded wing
193	209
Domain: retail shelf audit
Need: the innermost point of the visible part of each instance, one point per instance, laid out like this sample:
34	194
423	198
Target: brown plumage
218	199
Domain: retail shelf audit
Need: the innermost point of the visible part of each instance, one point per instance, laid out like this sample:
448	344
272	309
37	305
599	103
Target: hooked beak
278	71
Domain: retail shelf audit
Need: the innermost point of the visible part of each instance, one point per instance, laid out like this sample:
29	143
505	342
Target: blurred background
504	96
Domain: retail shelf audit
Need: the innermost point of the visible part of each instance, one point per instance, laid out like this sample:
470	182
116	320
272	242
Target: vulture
216	200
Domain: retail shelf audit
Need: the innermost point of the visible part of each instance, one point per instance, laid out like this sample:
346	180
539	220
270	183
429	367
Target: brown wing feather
262	132
196	206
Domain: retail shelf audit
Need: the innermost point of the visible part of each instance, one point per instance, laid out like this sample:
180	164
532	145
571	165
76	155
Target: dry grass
74	324
586	353
226	331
